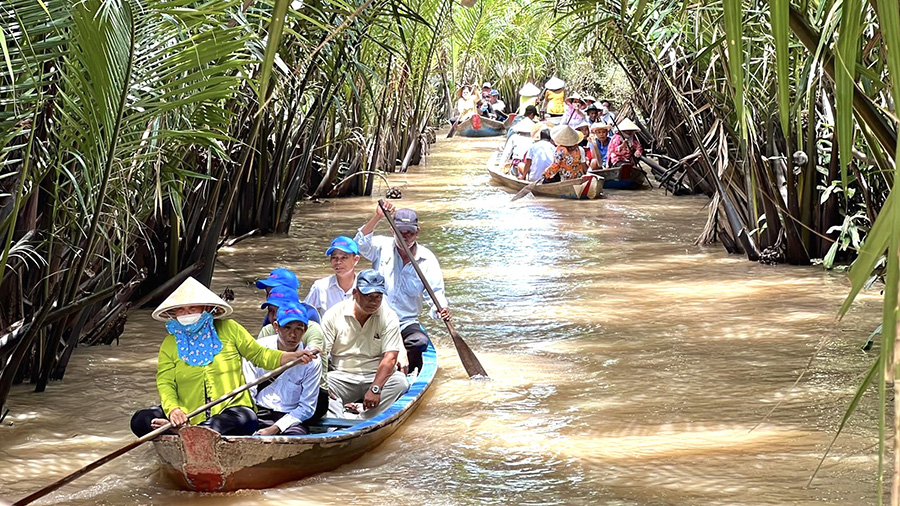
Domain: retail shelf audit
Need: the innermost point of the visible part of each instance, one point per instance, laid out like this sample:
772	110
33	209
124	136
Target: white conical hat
554	83
626	125
523	126
564	135
192	293
529	90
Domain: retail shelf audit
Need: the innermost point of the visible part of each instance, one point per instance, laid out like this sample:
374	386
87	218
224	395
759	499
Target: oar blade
469	361
526	190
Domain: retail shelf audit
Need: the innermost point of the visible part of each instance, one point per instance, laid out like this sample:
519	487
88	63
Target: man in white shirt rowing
362	337
328	291
405	291
290	399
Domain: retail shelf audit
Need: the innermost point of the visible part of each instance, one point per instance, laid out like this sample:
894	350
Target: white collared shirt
359	348
294	392
405	291
326	292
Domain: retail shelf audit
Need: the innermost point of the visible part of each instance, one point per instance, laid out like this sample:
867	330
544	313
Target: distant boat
202	460
489	127
588	187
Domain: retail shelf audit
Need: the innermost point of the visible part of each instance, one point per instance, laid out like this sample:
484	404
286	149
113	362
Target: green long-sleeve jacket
188	387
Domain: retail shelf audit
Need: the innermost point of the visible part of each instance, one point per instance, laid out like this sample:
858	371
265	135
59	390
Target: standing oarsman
405	291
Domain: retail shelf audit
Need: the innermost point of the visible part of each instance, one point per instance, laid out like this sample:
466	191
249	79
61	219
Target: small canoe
625	177
202	460
589	187
489	127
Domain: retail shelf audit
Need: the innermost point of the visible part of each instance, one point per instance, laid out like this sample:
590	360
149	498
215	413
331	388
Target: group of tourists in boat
558	136
357	336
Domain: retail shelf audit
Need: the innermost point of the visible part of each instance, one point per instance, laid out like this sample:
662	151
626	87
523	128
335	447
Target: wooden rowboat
489	127
625	177
588	187
202	460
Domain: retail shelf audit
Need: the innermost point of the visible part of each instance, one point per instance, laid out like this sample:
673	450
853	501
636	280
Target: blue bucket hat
369	281
281	296
311	313
291	313
343	243
279	277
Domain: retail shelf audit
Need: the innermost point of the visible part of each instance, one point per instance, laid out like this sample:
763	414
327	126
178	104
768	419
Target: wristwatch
375	389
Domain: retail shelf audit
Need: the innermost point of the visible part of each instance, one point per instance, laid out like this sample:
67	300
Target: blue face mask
197	342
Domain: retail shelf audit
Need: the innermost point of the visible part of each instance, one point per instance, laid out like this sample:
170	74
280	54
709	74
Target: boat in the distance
488	128
587	187
202	460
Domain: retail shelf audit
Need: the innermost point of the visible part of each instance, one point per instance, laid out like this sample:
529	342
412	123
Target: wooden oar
138	442
526	190
469	361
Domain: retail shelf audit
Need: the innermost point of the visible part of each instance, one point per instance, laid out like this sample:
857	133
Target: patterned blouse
569	164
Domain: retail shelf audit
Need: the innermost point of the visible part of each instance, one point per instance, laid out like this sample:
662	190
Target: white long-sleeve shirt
326	292
405	291
294	392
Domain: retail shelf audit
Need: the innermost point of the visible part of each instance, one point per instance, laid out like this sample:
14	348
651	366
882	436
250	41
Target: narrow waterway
629	365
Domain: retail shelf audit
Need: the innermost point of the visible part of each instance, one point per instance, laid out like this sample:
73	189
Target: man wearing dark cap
362	335
405	291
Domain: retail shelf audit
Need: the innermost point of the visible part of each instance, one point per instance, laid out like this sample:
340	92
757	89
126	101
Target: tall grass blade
846	54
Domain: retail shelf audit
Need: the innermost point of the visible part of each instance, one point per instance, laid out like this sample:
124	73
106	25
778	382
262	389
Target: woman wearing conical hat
528	96
625	145
553	98
200	361
569	159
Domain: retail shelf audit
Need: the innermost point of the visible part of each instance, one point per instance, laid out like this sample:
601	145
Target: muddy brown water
629	365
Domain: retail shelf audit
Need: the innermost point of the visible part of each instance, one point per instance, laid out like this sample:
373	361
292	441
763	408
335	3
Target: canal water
629	366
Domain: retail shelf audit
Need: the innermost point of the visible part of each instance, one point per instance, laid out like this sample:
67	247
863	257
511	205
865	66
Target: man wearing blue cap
291	398
362	336
282	296
278	277
328	291
405	291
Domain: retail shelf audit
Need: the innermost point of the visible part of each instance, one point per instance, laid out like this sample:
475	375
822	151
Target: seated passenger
291	399
625	145
312	338
328	291
568	160
362	336
593	113
574	115
584	128
200	360
539	156
599	145
553	98
517	146
278	277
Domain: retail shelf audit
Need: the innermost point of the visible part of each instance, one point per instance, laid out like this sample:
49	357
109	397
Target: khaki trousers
351	387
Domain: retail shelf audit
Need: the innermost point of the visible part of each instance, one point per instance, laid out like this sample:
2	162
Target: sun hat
459	92
554	83
279	277
564	135
343	243
495	93
529	90
311	313
486	85
592	107
537	128
523	126
573	97
191	293
280	295
626	125
369	281
406	220
600	126
588	97
291	313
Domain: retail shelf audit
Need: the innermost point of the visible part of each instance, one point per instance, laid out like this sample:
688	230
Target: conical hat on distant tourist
555	83
459	92
523	126
573	97
626	125
529	90
589	98
538	128
191	293
564	135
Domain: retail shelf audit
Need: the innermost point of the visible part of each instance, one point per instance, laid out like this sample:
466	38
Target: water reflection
629	365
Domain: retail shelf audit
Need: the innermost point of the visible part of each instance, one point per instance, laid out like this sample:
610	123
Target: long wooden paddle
138	442
469	361
526	190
